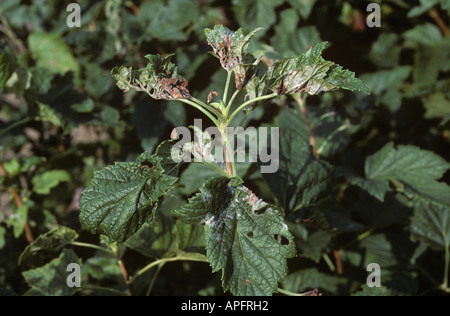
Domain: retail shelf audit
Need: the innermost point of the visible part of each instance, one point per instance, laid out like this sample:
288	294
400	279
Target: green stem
15	125
331	136
265	97
150	287
216	168
227	86
446	268
160	261
201	109
85	245
329	262
289	293
208	107
230	103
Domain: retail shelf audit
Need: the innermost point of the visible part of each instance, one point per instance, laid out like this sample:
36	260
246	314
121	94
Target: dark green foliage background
73	120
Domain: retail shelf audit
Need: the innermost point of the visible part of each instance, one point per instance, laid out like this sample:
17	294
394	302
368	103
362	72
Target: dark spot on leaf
282	240
250	234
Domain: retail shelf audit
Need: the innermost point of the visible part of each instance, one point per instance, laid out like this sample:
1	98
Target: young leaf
159	79
121	198
245	237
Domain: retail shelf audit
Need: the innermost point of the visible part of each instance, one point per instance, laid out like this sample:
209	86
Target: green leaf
7	66
251	14
413	170
44	182
159	79
312	245
153	240
385	85
385	52
301	177
431	224
121	198
51	279
2	237
376	188
310	278
437	106
425	5
304	6
166	151
54	239
52	53
290	40
245	237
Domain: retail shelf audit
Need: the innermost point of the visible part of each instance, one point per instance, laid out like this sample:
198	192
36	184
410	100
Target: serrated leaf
51	279
159	79
53	239
121	198
308	73
245	237
415	169
431	224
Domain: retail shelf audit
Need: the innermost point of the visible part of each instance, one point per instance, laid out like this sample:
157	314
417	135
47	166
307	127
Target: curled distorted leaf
159	79
246	238
230	47
308	73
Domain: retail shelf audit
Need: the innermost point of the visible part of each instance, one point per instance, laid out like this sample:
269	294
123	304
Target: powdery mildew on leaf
245	237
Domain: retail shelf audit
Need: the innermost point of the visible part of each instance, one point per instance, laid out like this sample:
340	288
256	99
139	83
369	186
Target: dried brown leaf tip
174	88
211	95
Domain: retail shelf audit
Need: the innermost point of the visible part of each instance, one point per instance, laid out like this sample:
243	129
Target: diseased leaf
54	239
159	79
231	48
121	198
245	237
308	73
